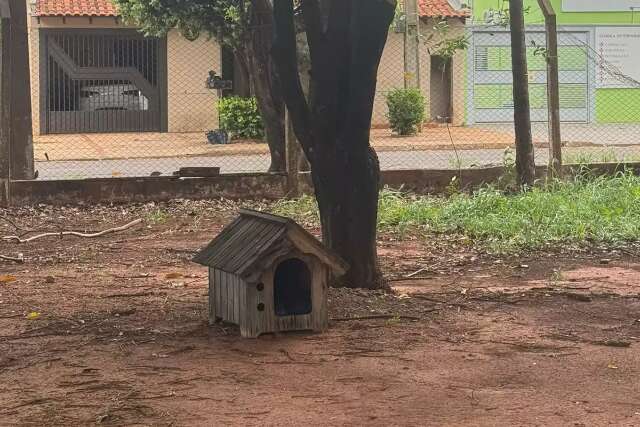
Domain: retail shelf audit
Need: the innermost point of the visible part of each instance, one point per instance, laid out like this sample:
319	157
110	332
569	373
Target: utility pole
22	163
525	161
411	45
553	89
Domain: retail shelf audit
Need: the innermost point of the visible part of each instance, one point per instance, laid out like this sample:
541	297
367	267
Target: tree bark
265	82
525	161
22	160
5	109
333	125
346	187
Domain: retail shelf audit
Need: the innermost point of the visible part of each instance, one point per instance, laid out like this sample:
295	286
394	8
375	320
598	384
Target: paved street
141	154
432	159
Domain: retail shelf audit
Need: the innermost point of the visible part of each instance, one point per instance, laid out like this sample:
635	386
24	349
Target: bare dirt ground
112	331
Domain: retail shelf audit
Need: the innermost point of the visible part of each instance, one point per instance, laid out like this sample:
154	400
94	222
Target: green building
599	57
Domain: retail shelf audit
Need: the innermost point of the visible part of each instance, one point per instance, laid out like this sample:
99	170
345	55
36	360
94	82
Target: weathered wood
553	89
197	172
251	303
244	243
212	297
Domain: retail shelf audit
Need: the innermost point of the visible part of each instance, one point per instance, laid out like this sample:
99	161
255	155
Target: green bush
406	110
240	117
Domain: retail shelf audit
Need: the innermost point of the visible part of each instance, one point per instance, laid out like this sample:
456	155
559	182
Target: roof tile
428	8
440	8
75	8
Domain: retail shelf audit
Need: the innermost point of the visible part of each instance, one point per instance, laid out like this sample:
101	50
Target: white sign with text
600	5
618	57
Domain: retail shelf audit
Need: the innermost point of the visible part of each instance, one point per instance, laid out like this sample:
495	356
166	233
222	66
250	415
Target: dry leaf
173	276
612	366
33	315
7	278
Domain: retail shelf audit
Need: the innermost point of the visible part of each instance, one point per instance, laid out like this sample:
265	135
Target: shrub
240	117
406	110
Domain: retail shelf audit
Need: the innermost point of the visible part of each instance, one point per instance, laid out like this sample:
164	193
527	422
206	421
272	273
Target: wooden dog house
267	274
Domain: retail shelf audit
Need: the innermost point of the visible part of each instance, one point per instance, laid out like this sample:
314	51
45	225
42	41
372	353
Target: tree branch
18	259
312	15
73	233
285	56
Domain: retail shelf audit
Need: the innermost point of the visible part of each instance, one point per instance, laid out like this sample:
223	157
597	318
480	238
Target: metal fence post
553	89
293	152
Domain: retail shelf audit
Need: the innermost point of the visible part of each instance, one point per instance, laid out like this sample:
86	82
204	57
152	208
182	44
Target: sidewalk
163	145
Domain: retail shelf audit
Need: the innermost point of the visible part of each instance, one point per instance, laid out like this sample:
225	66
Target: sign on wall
617	56
600	5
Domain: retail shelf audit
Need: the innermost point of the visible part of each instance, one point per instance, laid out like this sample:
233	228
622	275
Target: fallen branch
19	259
135	295
73	233
379	316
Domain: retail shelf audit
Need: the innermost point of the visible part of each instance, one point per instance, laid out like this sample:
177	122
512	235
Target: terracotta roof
75	8
440	8
428	8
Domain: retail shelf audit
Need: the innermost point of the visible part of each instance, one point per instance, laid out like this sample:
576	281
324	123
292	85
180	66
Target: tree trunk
333	125
348	212
265	82
525	161
22	162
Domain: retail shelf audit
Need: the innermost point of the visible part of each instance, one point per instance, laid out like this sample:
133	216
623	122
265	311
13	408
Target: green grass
157	216
580	212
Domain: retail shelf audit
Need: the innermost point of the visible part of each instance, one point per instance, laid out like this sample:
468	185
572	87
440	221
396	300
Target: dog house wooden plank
248	252
213	302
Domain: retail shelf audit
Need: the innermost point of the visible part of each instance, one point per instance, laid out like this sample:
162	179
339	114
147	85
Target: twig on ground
73	233
139	294
438	301
415	273
378	316
19	259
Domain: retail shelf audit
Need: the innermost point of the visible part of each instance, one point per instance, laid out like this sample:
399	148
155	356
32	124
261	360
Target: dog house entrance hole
292	288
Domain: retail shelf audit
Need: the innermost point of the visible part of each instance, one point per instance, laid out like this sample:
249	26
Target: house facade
599	61
92	73
441	80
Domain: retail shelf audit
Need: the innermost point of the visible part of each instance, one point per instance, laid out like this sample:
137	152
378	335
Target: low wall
131	190
250	186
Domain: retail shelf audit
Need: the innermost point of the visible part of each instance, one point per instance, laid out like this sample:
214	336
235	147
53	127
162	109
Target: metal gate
491	83
102	81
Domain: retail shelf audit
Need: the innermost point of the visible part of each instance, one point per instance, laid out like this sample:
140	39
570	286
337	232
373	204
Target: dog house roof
254	236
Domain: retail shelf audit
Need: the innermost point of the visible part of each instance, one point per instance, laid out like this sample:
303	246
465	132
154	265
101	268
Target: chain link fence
469	102
108	102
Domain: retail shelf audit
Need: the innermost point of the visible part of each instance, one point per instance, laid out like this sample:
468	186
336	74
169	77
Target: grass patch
156	217
582	211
